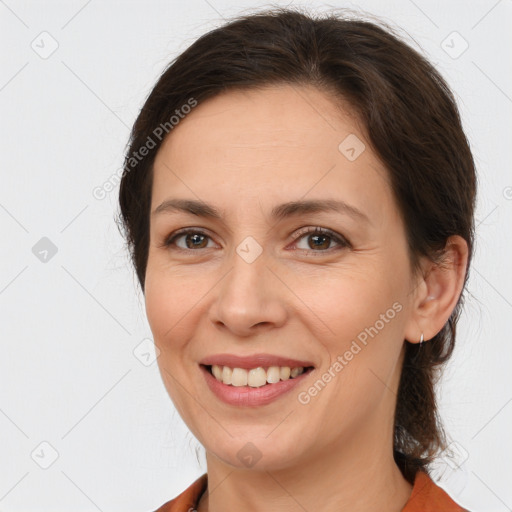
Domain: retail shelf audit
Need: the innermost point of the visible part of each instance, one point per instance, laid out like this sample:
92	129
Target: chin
257	453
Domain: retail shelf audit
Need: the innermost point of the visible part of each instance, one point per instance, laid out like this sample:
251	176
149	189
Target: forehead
272	142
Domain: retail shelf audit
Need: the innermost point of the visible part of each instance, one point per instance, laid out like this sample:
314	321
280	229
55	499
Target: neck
359	476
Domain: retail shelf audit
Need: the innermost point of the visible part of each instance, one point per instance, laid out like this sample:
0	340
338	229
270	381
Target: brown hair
411	121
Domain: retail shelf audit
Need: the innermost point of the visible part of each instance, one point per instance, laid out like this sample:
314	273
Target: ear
437	291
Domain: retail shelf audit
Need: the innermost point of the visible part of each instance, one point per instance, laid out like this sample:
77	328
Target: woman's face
258	281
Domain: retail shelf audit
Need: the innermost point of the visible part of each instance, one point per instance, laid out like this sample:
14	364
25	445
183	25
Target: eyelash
340	240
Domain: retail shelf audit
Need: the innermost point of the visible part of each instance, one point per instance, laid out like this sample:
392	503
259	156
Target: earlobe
438	292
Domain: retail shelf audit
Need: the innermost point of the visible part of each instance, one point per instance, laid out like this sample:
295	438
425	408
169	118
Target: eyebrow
279	212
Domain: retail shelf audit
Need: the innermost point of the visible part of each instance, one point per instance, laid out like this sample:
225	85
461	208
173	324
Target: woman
298	201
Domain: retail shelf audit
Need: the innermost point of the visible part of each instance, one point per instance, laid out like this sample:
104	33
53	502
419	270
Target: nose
250	298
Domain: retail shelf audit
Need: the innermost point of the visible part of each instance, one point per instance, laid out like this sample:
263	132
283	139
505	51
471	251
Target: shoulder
186	501
427	496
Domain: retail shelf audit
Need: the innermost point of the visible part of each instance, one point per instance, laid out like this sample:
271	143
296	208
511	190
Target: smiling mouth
255	377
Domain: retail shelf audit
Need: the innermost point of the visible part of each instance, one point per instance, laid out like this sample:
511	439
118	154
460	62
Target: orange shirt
426	496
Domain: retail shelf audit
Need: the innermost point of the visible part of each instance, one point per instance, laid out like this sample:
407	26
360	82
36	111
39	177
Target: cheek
343	302
164	310
359	319
168	299
160	306
166	305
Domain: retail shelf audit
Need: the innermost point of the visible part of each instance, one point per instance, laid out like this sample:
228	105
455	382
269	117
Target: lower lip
243	396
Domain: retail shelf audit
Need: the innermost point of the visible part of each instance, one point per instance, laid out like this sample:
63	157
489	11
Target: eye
318	237
194	239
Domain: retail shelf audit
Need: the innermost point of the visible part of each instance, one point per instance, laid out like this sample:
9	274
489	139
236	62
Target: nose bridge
247	275
246	297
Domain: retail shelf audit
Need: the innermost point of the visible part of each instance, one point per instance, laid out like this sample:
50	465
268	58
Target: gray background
85	422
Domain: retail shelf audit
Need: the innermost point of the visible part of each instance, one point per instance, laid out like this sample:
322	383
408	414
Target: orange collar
426	496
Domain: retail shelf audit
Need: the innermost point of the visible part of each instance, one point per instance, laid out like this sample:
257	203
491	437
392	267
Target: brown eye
320	239
193	240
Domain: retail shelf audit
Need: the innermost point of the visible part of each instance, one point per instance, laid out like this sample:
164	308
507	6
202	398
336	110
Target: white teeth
255	377
226	375
273	374
239	377
217	371
284	372
296	371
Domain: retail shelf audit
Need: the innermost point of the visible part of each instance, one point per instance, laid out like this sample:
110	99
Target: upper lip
254	361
